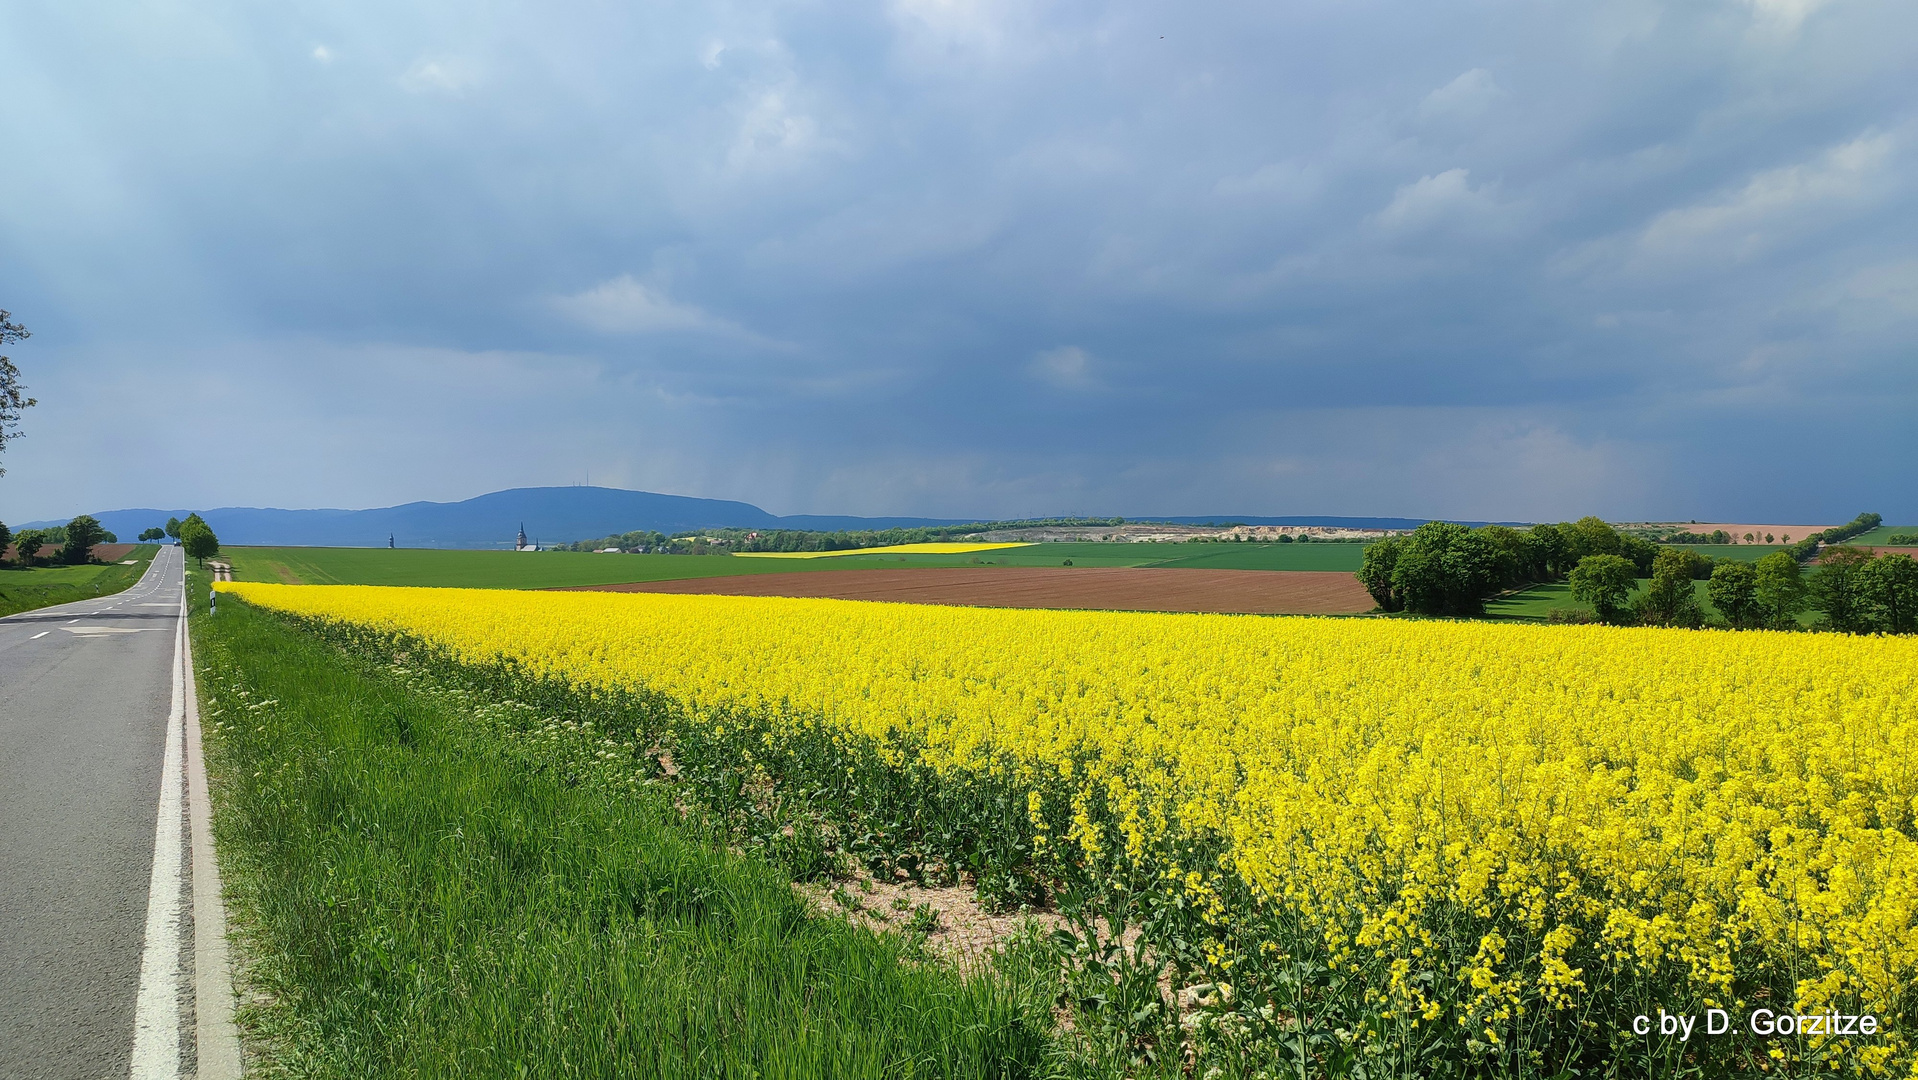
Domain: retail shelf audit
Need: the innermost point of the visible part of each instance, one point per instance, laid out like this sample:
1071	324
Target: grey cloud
820	242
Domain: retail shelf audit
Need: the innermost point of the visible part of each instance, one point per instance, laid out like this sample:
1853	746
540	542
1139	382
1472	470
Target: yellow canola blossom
1696	803
895	549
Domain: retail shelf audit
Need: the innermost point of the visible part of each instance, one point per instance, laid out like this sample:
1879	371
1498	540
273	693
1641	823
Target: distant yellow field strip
896	549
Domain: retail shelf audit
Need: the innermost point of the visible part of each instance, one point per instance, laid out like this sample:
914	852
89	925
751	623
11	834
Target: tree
1639	551
1604	581
1548	551
1375	572
155	533
1839	587
6	537
13	396
82	533
1670	599
1892	588
1512	556
1444	569
27	543
173	527
1734	592
1780	588
198	539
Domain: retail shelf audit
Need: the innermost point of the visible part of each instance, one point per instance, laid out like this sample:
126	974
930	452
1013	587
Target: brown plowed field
1098	588
102	552
1877	550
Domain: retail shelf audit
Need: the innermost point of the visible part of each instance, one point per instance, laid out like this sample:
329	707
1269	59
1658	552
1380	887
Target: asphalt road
85	691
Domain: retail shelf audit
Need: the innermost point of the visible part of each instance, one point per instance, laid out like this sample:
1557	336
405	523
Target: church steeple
520	544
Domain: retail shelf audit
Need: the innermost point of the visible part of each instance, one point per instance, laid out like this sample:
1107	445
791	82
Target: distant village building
522	544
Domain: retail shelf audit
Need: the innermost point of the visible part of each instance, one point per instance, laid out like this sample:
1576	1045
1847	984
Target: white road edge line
40	635
156	1012
216	1040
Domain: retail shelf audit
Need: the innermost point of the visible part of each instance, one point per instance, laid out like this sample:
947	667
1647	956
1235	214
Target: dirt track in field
1097	588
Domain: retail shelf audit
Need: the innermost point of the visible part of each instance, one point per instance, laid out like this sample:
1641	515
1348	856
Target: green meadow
476	569
1537	602
558	569
26	588
1882	534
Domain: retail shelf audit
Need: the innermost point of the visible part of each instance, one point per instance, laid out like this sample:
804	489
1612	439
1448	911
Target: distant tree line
1804	549
1447	569
794	540
75	541
1443	568
1716	536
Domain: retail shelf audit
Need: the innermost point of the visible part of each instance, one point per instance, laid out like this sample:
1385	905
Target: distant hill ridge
557	515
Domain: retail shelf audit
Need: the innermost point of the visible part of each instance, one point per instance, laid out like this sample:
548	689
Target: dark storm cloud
949	258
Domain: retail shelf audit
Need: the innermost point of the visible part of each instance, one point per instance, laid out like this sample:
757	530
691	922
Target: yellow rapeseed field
1715	810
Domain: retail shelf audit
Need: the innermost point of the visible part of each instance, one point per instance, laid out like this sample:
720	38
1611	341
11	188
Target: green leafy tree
13	396
1589	536
1512	562
155	533
82	533
27	544
6	537
1840	589
1604	581
1734	592
1892	586
1375	572
1780	589
1640	551
1549	551
1670	599
172	527
198	540
1444	569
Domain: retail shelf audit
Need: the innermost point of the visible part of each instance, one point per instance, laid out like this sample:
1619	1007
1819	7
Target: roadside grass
26	588
557	569
419	895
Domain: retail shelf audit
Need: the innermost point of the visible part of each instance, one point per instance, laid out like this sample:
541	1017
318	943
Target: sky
1486	260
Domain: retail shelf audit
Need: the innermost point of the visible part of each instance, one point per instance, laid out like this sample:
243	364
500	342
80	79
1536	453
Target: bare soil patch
1759	532
1825	553
1095	588
960	929
106	553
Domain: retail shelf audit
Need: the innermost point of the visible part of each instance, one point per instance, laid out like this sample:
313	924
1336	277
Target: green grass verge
27	588
554	569
421	895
